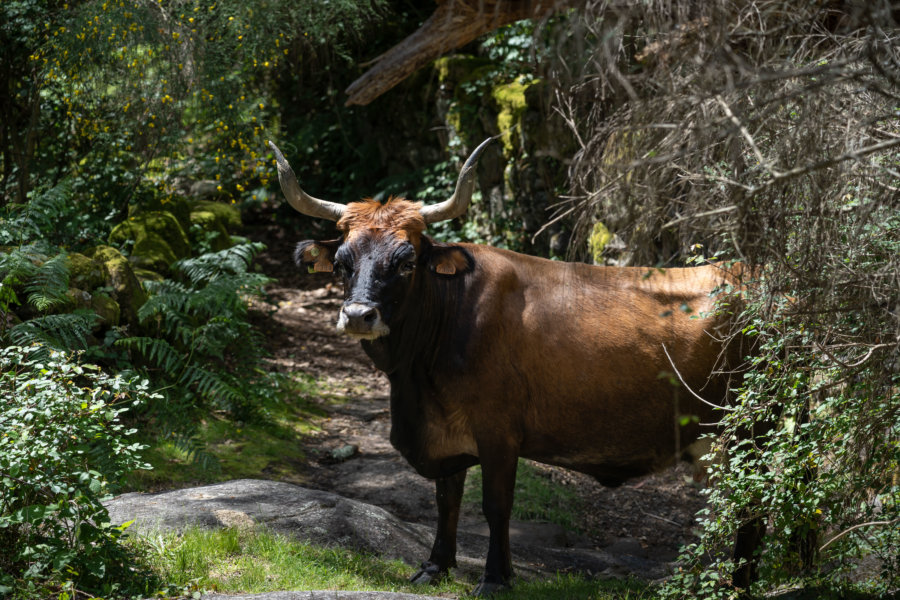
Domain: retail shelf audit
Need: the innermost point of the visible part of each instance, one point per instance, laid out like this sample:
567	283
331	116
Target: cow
493	355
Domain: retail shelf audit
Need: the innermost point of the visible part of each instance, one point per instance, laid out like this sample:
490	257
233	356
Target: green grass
268	446
253	561
537	498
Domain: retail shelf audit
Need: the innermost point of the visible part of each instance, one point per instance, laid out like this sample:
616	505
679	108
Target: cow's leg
498	465
448	494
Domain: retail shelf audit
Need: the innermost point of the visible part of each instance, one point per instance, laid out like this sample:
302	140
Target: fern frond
212	265
57	332
40	214
213	385
190	444
156	351
49	283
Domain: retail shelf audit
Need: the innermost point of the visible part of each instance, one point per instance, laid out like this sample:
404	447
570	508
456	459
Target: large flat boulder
310	515
328	519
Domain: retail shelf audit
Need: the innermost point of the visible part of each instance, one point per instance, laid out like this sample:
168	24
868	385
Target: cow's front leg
448	494
498	465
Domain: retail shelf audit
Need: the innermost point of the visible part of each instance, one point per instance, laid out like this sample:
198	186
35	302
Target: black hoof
428	574
487	588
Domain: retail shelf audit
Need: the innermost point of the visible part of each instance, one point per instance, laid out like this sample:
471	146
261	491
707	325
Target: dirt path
647	519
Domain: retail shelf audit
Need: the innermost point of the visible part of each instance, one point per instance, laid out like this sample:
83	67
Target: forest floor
648	517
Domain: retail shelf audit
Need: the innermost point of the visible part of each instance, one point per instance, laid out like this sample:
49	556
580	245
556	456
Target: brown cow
493	355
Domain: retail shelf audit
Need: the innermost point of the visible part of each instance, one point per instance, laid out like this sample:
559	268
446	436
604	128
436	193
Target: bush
63	448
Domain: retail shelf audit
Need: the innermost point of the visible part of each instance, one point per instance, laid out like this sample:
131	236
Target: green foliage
63	448
256	560
44	283
823	467
202	348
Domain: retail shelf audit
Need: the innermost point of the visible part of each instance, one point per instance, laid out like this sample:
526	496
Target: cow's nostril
370	316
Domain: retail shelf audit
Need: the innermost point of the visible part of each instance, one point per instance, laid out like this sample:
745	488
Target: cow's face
381	249
376	259
379	258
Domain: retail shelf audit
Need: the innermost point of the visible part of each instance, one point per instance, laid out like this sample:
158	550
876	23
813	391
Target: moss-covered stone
510	98
158	240
85	273
107	309
179	206
213	228
147	275
458	68
227	214
600	237
77	298
464	80
127	290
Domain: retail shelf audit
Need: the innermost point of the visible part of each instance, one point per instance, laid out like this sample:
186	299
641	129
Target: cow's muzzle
361	321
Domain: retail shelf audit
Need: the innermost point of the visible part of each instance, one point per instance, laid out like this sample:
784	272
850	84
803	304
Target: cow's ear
316	256
447	259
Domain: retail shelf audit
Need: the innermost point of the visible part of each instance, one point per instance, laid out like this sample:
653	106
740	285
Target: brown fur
398	216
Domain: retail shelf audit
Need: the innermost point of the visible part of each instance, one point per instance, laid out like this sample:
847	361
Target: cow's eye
407	267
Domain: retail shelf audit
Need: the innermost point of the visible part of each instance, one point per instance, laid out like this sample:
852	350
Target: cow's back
569	360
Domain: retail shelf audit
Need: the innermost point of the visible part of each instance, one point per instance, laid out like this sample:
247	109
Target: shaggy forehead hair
398	216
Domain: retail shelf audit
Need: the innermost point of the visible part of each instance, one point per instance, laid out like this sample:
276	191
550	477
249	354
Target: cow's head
382	250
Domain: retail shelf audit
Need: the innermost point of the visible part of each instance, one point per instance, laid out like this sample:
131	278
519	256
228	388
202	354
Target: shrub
63	448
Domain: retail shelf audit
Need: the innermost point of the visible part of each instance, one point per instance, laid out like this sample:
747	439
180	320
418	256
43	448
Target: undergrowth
256	560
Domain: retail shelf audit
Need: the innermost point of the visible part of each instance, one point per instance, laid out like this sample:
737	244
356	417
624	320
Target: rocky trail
633	530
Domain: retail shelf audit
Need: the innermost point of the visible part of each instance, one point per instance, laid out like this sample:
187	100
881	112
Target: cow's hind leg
448	494
498	465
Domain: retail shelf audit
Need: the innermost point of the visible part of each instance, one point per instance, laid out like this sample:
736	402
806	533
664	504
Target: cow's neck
422	335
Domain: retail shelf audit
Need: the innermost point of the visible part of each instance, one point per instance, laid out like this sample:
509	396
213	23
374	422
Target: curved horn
300	200
465	185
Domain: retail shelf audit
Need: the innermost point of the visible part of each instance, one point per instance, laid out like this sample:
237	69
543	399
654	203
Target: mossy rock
77	298
511	100
467	112
179	206
147	275
84	272
107	309
227	214
214	228
127	290
600	237
158	239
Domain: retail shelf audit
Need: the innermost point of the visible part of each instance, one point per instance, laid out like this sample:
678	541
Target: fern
55	332
209	267
48	285
157	351
45	281
38	218
199	339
